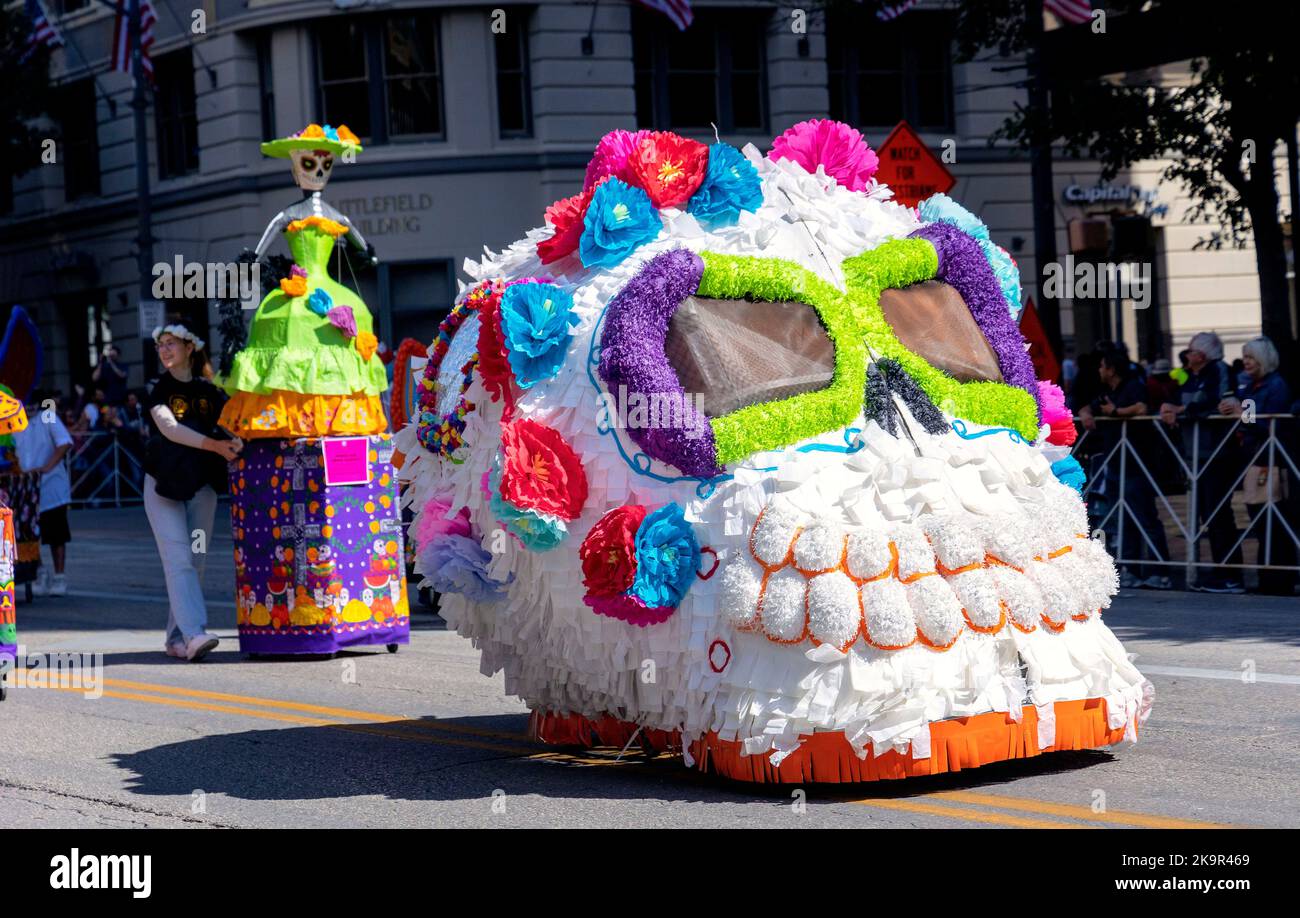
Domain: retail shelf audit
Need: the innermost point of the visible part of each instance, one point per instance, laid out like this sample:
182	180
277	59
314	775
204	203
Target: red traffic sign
910	168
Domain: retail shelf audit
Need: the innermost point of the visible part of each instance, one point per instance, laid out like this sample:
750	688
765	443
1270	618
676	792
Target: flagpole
139	103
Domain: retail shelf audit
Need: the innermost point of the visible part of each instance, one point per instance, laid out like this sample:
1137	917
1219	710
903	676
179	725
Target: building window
177	119
514	108
70	6
77	110
266	84
407	299
381	76
712	73
880	73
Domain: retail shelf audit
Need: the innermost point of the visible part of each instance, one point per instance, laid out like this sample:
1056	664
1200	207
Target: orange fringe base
827	758
292	414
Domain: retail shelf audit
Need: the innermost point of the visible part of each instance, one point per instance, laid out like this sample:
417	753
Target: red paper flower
608	552
567	215
1063	433
668	167
493	365
541	471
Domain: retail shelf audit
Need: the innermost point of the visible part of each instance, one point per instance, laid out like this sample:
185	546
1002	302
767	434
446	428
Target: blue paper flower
320	302
1069	472
939	208
667	556
535	321
458	564
730	185
331	132
536	530
619	218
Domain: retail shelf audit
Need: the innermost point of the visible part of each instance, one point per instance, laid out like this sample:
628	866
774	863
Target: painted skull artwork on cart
740	457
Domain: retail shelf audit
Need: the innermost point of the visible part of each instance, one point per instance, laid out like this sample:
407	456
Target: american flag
1072	12
679	11
122	37
43	31
894	10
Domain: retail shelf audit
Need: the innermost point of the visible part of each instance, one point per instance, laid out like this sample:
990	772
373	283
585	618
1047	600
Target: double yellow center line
965	806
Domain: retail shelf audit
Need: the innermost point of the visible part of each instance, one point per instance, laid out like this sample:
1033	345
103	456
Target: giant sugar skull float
740	454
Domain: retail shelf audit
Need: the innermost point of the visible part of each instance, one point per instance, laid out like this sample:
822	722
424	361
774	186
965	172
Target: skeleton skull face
778	491
311	168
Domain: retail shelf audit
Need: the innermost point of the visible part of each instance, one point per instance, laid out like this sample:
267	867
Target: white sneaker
59	585
42	585
200	646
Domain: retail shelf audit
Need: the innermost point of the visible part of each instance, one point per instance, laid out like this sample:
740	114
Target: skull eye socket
736	353
308	163
327	164
932	321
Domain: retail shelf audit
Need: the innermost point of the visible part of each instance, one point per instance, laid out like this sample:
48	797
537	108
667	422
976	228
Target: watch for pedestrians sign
910	168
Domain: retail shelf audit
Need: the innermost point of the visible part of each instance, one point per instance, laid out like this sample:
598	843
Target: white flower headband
178	331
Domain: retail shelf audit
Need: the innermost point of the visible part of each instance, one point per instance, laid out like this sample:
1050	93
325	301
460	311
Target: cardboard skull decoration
740	453
311	168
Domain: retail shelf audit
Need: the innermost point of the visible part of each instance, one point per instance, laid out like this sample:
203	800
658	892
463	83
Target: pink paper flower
833	145
434	522
341	317
611	156
1056	414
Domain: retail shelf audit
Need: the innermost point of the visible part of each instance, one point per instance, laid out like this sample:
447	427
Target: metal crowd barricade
105	471
1125	458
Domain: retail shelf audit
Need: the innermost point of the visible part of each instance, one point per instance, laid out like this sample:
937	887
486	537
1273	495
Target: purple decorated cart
318	566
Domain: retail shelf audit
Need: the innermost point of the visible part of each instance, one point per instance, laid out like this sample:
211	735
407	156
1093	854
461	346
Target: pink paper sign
346	460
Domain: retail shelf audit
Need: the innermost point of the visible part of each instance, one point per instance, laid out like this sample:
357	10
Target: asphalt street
422	739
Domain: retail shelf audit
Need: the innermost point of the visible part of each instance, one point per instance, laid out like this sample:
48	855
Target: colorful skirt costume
316	564
12	419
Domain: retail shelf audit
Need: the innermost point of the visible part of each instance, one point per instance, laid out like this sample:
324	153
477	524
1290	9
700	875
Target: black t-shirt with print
181	471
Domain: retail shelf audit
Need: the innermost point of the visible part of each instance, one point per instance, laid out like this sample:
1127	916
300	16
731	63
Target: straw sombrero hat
337	140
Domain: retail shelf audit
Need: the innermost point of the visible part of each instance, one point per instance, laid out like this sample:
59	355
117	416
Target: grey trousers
176	527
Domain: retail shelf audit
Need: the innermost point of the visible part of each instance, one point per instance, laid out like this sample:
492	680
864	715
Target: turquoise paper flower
1069	472
1007	274
535	321
730	185
331	132
619	218
939	208
667	556
320	302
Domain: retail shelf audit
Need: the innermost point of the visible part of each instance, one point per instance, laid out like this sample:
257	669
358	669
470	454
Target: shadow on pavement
470	758
1187	618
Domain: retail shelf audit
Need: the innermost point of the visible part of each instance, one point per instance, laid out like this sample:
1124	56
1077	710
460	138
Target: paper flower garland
637	566
441	433
668	167
535	322
619	218
833	145
730	185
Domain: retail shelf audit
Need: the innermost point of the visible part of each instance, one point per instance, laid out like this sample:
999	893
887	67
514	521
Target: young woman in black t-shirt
185	466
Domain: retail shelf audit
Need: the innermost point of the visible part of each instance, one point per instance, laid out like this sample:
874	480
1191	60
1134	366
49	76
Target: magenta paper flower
341	317
833	145
611	155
